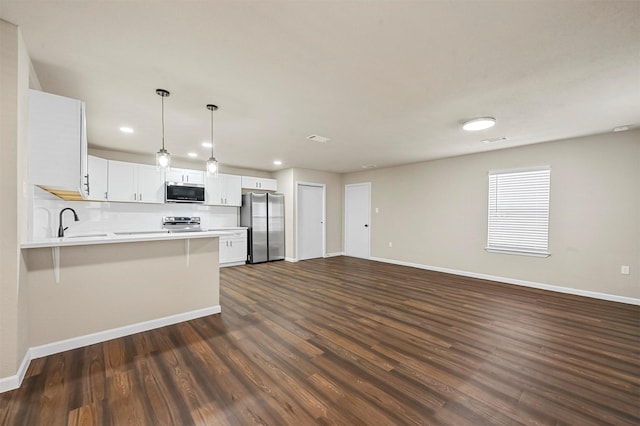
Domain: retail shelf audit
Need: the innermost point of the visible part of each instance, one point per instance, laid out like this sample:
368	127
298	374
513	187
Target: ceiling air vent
318	138
493	140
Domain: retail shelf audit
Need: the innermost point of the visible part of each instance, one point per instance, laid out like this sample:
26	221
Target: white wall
435	213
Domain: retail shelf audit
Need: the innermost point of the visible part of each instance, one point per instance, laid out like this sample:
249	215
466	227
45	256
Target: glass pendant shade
212	167
212	163
163	159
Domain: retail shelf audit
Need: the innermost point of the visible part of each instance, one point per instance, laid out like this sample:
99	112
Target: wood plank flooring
353	342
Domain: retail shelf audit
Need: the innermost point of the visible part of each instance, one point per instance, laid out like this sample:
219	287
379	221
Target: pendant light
212	163
163	158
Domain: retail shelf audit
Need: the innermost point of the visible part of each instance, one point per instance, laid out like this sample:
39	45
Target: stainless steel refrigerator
263	214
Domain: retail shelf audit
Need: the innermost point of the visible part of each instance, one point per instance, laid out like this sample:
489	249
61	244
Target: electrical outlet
390	244
624	269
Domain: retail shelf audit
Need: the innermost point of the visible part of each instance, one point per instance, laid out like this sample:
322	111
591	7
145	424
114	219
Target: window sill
518	252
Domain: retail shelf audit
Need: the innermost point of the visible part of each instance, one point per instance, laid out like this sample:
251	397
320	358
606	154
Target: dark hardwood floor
353	342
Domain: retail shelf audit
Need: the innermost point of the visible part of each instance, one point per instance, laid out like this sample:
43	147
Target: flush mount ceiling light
207	144
479	124
125	129
163	158
277	162
212	163
192	154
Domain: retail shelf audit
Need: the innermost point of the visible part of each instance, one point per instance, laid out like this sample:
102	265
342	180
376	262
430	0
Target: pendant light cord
211	132
162	122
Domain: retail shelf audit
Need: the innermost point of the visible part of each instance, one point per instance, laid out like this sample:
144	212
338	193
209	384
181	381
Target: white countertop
98	237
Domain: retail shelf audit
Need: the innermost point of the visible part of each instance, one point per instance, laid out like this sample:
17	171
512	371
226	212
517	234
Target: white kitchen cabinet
122	181
233	248
141	183
223	190
185	176
57	142
265	184
150	184
97	172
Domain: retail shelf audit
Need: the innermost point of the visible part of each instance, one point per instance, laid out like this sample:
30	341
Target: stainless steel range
181	223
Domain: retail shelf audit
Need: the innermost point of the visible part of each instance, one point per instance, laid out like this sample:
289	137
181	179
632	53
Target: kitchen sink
87	235
160	231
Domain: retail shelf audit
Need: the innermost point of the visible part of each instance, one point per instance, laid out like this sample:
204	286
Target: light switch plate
624	269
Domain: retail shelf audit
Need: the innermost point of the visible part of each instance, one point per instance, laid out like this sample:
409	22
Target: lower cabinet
233	248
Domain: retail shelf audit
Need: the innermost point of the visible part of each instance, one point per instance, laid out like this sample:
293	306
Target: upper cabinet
223	190
185	175
57	144
138	183
250	182
97	173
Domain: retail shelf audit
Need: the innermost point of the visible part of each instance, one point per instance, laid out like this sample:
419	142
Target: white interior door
357	220
310	221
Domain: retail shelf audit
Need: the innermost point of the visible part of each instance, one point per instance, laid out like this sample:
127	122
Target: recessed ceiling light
192	154
277	162
479	124
368	166
125	129
207	144
621	128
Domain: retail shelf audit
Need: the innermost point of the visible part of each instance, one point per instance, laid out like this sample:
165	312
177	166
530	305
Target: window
519	211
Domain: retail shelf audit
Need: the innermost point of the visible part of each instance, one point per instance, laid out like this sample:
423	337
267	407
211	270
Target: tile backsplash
110	216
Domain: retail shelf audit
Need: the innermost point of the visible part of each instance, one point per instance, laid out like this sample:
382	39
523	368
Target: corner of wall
15	69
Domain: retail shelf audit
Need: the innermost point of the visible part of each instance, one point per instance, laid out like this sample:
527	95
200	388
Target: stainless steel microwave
180	192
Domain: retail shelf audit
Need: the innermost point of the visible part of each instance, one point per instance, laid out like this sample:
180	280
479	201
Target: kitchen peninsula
86	289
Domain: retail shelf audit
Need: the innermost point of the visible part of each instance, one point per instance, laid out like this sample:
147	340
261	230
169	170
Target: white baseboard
339	253
13	382
294	259
225	265
541	286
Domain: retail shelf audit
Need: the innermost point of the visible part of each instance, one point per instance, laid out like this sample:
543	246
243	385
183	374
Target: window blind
519	211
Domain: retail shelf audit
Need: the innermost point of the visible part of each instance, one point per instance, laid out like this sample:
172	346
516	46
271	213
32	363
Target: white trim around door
367	219
324	216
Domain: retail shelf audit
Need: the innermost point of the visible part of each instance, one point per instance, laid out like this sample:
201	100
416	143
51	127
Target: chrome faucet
60	228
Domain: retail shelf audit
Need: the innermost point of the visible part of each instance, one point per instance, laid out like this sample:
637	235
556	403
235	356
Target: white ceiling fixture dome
480	123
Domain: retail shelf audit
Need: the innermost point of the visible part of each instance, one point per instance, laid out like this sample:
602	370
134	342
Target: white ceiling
390	82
